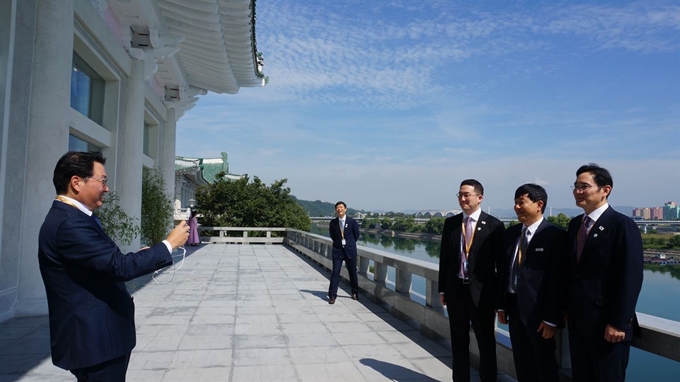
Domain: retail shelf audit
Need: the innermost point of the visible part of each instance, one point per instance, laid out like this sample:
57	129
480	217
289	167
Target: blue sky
390	104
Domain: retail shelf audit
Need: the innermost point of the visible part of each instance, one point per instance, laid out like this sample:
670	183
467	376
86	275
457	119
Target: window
145	148
87	90
77	144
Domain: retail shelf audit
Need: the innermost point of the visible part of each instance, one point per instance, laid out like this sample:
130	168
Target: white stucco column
167	165
129	174
47	140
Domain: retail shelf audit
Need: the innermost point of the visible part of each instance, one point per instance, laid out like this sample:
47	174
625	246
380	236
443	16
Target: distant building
671	211
192	173
652	213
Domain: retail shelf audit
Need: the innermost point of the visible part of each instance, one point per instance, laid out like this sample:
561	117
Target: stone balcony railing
659	336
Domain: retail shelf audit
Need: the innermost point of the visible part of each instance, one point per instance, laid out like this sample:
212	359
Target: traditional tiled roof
209	167
189	47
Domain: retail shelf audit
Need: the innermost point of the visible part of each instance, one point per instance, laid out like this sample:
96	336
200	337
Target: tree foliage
561	220
157	211
117	224
242	203
435	225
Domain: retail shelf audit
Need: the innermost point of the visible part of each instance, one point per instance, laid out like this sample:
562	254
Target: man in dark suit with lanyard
344	232
531	286
605	277
92	325
472	243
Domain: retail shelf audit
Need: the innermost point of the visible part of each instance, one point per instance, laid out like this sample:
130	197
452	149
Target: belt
464	281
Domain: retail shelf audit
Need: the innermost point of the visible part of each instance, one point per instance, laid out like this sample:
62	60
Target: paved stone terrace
246	313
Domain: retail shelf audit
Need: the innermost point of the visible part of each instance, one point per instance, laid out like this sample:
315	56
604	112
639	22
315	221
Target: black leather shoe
331	300
355	296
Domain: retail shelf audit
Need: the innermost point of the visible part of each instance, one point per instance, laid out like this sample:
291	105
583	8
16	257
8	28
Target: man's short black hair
339	203
534	192
78	163
601	175
475	184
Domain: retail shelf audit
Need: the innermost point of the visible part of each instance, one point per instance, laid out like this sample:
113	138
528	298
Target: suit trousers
462	311
335	275
533	355
109	371
595	359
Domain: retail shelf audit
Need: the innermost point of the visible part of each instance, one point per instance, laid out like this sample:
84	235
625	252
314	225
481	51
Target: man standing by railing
531	286
472	243
344	232
605	277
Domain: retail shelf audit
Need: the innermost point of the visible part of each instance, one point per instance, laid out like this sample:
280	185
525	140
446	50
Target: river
659	296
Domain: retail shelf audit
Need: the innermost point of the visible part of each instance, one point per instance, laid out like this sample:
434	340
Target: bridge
237	312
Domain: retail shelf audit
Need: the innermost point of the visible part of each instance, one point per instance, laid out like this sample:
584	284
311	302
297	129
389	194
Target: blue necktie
99	222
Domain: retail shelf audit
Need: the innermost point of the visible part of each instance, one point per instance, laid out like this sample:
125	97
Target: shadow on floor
24	344
395	372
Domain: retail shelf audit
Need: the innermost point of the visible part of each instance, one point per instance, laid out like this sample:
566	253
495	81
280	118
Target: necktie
523	243
521	250
99	222
468	231
466	248
582	236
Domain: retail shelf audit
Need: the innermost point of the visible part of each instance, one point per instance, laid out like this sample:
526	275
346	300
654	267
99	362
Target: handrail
244	239
659	336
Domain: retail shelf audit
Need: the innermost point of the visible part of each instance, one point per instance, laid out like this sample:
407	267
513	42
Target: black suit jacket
352	235
486	251
604	285
540	281
91	311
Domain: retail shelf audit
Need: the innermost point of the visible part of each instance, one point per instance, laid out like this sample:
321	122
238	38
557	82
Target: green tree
116	223
157	208
242	203
561	220
435	225
405	224
385	223
674	242
370	223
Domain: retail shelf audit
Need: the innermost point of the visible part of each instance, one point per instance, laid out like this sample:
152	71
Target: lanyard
467	246
66	201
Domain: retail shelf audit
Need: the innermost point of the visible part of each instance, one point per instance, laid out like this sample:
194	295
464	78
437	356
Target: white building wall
36	120
47	139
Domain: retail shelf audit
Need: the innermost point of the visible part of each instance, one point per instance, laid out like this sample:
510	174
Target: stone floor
246	313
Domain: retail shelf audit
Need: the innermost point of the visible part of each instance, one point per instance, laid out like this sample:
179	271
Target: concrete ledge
659	336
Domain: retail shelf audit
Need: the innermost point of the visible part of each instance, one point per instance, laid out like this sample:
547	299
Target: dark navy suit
538	297
603	289
91	312
348	254
474	302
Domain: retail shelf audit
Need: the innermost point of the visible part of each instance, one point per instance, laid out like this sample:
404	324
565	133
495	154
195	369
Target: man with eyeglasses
92	326
605	277
471	246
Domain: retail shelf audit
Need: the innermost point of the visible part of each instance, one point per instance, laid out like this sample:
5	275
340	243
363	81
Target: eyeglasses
102	181
465	196
581	187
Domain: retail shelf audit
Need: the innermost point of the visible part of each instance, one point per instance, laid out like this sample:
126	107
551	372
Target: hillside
318	208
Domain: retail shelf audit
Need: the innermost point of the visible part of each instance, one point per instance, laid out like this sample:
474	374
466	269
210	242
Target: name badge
465	267
344	242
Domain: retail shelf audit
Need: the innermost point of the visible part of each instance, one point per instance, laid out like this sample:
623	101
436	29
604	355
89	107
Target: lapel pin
601	228
539	249
595	235
483	221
